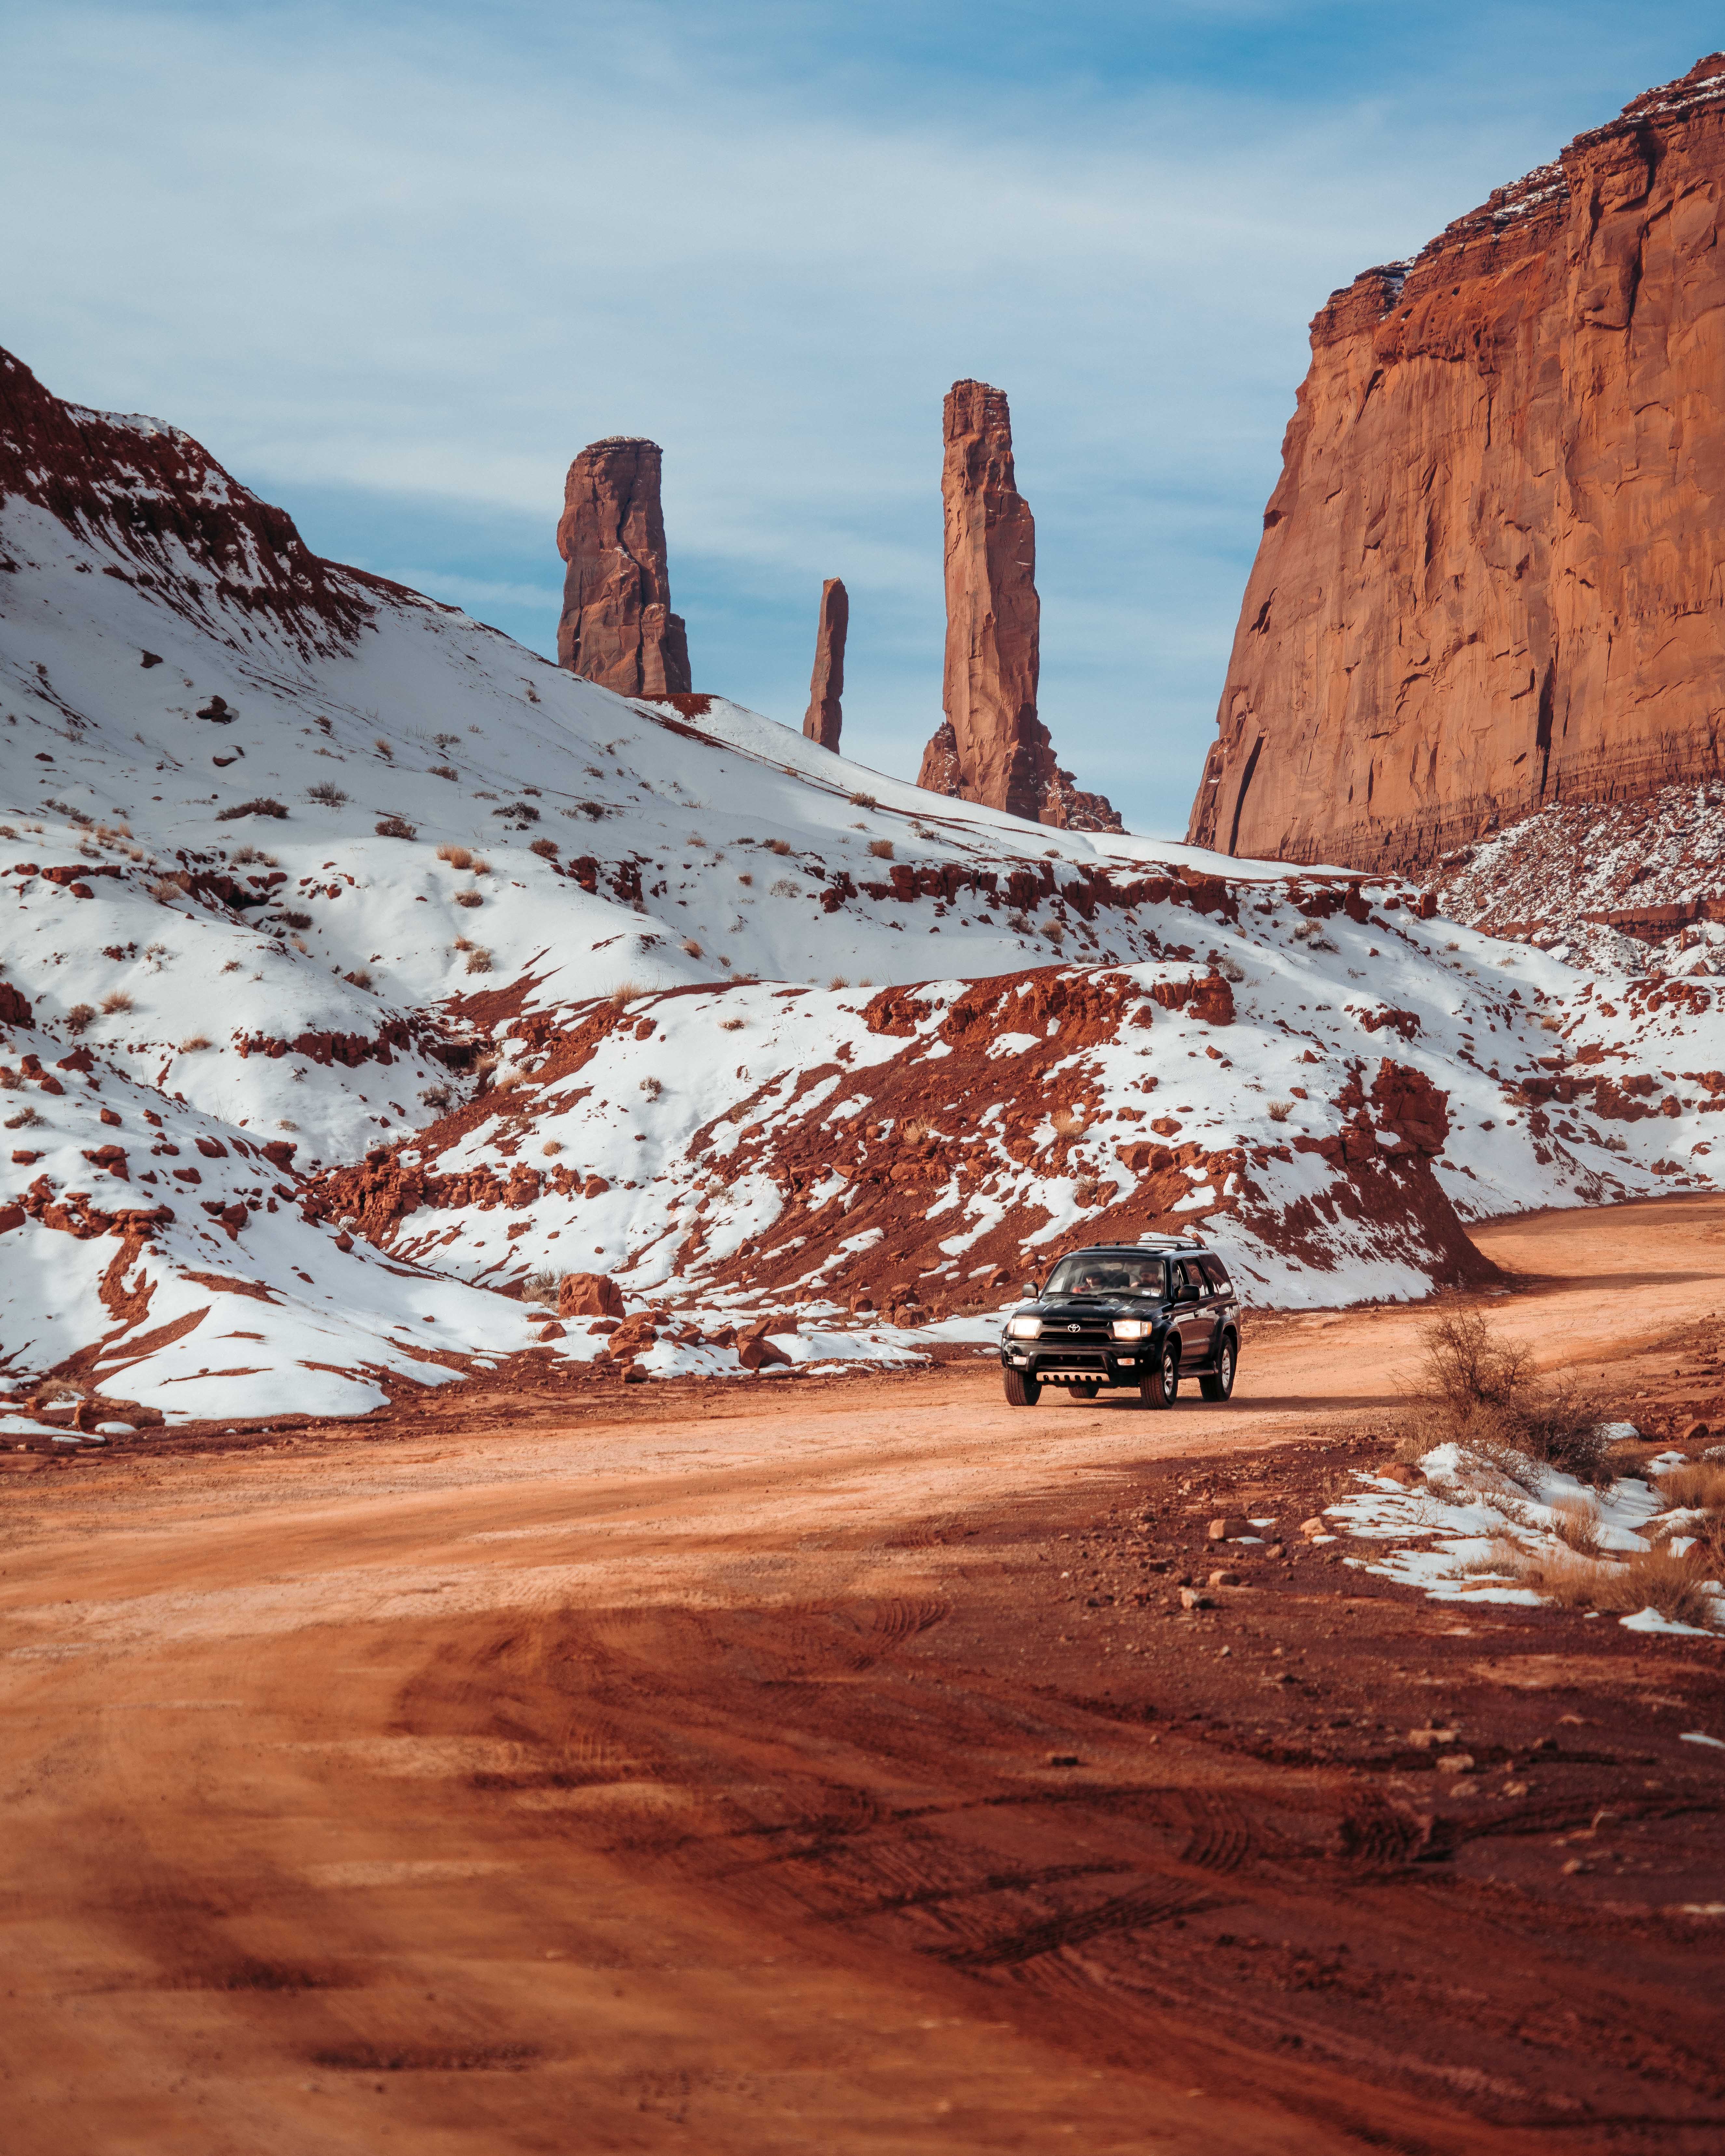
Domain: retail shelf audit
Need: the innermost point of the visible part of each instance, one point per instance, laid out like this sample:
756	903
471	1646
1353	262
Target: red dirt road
778	1767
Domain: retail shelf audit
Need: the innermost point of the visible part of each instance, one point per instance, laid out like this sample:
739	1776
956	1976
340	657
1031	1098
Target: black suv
1144	1314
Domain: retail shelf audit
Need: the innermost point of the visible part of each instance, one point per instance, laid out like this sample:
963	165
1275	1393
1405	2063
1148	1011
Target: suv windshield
1107	1274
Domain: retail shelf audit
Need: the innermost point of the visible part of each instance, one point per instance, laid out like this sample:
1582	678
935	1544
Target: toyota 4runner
1145	1314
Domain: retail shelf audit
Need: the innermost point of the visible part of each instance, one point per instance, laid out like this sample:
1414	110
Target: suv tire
1087	1391
1220	1383
1022	1390
1159	1386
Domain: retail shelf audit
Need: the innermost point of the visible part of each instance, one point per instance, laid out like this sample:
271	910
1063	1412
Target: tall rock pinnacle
823	719
617	626
993	747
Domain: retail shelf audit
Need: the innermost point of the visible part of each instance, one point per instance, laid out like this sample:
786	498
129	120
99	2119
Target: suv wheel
1022	1390
1158	1386
1219	1386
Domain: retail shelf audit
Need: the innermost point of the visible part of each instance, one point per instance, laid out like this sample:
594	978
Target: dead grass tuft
80	1019
882	849
116	1001
1280	1111
194	1044
458	857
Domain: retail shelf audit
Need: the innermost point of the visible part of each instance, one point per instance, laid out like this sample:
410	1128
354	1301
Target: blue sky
395	264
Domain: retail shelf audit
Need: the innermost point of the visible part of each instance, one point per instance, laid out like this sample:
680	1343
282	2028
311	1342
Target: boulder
589	1295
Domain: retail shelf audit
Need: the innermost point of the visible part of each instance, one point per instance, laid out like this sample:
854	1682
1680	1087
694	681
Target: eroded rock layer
1490	573
992	747
617	627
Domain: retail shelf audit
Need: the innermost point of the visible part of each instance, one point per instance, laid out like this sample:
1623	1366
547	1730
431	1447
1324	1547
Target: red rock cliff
617	626
1492	573
992	747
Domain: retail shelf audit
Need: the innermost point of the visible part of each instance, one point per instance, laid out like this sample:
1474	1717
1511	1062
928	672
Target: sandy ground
791	1767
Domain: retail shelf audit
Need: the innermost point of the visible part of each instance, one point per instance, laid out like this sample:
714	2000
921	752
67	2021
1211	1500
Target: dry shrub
383	749
1069	1122
837	981
481	867
732	1025
468	898
546	849
882	849
395	827
262	806
26	1119
295	920
552	1148
81	1017
328	793
479	961
1476	1387
691	947
437	1096
1701	1484
167	888
542	1288
444	771
1576	1527
626	992
1280	1111
458	857
782	887
194	1044
360	977
116	1001
864	801
778	846
652	1088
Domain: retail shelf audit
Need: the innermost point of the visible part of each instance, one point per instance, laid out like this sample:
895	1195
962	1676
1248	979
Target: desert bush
882	849
542	1288
627	991
194	1044
79	1018
469	898
552	1148
116	1001
691	947
782	887
481	867
479	961
732	1025
743	876
395	827
652	1088
444	771
360	977
1700	1483
523	810
837	981
1279	1110
864	801
437	1096
26	1119
384	750
1476	1387
1069	1122
447	741
295	920
262	806
328	793
1231	969
546	849
458	857
778	846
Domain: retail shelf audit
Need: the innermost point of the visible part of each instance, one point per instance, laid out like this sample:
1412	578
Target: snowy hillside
359	964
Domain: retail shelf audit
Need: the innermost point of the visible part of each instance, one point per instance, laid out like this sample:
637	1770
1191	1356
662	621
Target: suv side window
1186	1276
1220	1282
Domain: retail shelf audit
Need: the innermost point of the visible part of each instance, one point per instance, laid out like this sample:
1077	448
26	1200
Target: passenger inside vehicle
1121	1276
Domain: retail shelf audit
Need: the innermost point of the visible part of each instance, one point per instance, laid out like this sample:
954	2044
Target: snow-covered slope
358	964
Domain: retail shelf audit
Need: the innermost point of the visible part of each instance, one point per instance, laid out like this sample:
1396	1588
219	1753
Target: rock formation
1492	574
823	718
992	747
617	626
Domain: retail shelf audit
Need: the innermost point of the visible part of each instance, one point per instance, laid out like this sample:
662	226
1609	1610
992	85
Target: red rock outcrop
823	718
173	522
1490	573
992	747
617	626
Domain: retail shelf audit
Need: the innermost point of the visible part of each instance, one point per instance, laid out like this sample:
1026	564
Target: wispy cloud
415	257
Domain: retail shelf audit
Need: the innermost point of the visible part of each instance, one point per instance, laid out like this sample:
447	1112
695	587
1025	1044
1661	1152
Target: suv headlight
1131	1328
1023	1328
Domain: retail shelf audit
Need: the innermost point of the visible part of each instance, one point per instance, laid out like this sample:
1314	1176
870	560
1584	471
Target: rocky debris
992	747
1230	1528
823	719
1531	613
589	1295
617	627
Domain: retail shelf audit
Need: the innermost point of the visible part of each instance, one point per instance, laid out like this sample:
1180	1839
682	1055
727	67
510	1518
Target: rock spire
823	718
617	626
1490	573
992	747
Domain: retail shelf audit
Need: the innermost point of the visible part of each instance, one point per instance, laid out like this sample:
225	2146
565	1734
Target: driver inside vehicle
1123	1276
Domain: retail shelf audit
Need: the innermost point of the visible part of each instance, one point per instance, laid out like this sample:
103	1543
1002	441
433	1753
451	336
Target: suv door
1194	1312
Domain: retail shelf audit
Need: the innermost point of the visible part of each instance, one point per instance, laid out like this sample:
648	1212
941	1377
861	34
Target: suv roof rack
1196	1240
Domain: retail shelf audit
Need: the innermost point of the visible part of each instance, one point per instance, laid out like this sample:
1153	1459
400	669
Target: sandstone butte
992	747
1492	573
823	719
617	626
